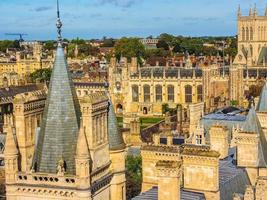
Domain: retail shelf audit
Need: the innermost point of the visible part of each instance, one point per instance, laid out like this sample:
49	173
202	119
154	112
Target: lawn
144	121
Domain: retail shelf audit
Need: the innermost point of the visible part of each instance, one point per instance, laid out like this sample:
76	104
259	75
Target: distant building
150	43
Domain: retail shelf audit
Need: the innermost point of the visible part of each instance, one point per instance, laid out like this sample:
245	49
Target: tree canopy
129	47
84	49
195	45
41	75
133	175
5	44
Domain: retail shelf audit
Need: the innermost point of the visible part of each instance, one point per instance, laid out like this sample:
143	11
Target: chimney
219	140
168	173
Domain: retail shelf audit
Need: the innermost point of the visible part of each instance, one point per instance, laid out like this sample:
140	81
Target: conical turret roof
60	125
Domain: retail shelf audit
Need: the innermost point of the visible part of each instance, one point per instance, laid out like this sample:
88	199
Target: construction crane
18	34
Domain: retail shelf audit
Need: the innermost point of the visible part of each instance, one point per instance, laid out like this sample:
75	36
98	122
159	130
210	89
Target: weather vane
59	25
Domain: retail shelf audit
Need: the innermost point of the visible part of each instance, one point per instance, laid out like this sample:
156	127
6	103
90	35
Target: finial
239	14
255	10
250	11
59	25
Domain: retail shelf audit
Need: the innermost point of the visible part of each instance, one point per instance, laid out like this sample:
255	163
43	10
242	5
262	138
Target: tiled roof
60	125
90	84
14	90
253	126
231	179
152	194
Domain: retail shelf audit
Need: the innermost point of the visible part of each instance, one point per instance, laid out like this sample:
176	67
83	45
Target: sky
90	19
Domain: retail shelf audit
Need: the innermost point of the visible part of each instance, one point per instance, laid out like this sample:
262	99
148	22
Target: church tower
252	36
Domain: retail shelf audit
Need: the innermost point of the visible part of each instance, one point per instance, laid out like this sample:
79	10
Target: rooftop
152	194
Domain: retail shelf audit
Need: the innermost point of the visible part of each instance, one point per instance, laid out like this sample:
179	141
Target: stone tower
252	35
219	140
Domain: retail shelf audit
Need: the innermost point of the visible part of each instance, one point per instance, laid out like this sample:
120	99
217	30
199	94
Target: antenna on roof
59	25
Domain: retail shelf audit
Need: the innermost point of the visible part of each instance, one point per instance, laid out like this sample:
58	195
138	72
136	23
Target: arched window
170	93
158	93
146	93
135	93
251	50
251	33
243	34
247	34
199	93
259	32
262	33
188	93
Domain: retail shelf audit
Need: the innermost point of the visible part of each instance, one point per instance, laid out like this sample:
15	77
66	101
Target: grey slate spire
253	126
60	124
262	104
115	138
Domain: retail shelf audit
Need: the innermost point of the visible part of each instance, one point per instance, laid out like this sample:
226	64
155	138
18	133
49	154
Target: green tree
41	75
108	42
156	53
133	175
130	47
165	108
5	44
163	45
49	45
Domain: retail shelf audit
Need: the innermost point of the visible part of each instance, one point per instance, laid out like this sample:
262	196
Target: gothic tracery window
199	93
146	93
251	33
188	94
158	93
135	93
243	34
247	34
170	93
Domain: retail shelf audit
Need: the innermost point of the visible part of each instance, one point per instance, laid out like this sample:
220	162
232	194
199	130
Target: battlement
195	150
94	98
168	164
161	148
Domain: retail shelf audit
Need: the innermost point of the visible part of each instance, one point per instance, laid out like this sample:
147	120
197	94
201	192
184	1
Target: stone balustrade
47	179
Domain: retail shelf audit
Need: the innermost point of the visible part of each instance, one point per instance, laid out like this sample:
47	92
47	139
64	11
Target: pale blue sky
115	18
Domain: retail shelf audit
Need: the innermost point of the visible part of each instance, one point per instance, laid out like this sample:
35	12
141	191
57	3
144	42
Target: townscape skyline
117	18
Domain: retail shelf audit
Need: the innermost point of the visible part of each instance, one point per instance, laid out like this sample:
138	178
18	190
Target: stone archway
145	110
5	82
119	108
